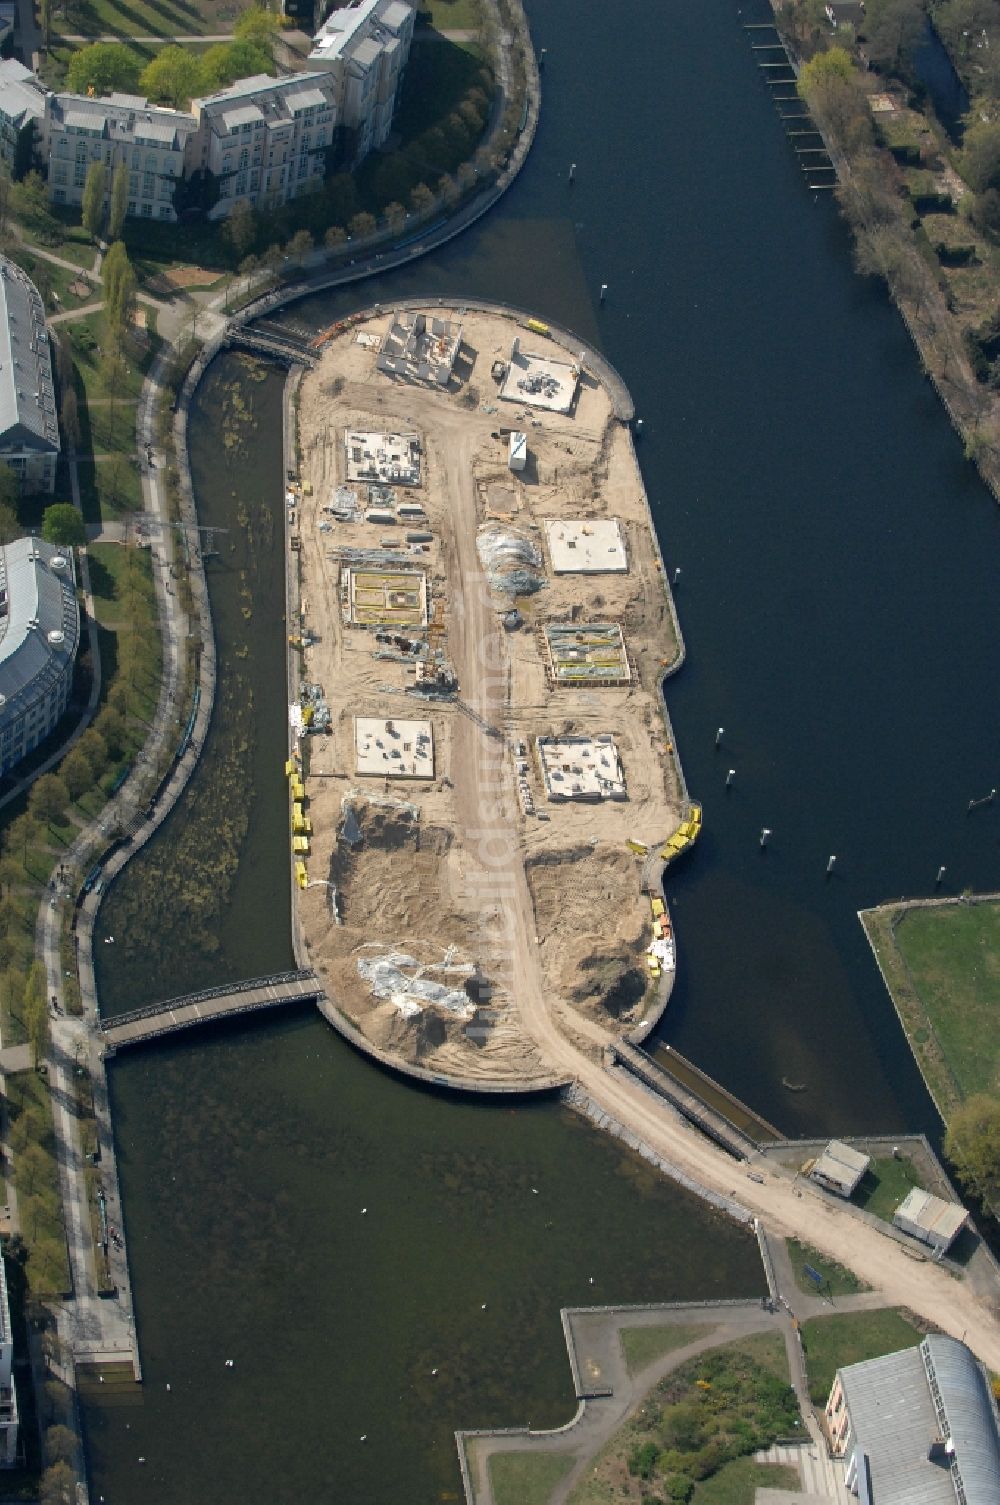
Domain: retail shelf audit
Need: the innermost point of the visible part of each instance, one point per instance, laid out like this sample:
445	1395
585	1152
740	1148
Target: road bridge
201	1008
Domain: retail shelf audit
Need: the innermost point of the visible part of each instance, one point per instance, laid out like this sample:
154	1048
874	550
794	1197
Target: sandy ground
544	902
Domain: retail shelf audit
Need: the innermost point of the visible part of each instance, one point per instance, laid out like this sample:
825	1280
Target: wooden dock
248	997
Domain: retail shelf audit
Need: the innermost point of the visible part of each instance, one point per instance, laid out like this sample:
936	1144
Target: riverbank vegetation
923	204
717	1408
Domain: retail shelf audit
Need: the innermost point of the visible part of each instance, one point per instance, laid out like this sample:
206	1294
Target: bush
642	1461
954	256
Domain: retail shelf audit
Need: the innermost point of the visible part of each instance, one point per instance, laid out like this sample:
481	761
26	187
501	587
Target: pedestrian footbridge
202	1008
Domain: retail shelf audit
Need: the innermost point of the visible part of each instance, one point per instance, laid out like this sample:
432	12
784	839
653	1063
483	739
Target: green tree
240	228
224	63
258	25
113	373
6	190
395	216
58	1485
893	31
76	770
831	87
22	834
105	67
10	528
119	201
980	160
421	199
299	247
62	524
111	725
972	1144
335	237
361	225
60	1444
48	798
45	20
173	77
36	1013
95	749
92	208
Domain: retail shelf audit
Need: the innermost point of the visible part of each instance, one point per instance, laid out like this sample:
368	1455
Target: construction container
518	454
420	536
380	515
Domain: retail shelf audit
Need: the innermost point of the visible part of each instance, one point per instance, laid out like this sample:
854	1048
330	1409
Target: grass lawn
112	427
108	489
87	337
737	1482
641	1345
832	1342
526	1478
837	1280
885	1184
141	18
953	953
438	75
453	15
53	282
125	607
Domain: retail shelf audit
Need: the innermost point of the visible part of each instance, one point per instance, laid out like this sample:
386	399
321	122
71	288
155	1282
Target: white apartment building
22	107
264	139
152	142
364	47
8	1396
39	636
29	430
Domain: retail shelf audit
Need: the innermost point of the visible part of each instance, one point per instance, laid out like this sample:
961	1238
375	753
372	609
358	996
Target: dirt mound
592	920
383	881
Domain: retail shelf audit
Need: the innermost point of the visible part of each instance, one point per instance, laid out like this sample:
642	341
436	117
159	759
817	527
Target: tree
894	30
22	833
224	63
10	488
119	201
831	87
48	798
95	749
972	1144
94	189
111	725
981	158
62	524
45	20
36	1012
395	216
421	199
76	770
104	67
113	373
5	196
299	246
362	225
240	228
60	1444
173	77
10	528
58	1485
64	362
335	237
69	418
258	25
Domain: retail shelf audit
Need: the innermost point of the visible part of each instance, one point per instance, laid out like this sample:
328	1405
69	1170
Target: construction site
481	775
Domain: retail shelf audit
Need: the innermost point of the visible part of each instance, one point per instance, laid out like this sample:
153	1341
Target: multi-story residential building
39	636
122	128
29	431
8	1396
264	139
364	47
22	110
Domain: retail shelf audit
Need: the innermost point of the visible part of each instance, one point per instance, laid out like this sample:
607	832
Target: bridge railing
248	985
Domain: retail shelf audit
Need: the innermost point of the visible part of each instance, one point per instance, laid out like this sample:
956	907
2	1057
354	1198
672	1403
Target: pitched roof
27	396
39	619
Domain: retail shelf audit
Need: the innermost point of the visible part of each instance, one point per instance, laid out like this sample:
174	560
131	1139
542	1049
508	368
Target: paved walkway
76	313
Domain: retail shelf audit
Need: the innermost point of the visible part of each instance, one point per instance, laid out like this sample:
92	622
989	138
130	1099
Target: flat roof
387	459
394	749
538	381
841	1165
586	546
581	768
27	396
943	1219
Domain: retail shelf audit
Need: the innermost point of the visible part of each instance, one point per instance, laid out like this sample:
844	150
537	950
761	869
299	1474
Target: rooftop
539	382
942	1219
260	97
22	97
122	117
39	618
903	1404
27	397
344	31
586	546
394	749
581	768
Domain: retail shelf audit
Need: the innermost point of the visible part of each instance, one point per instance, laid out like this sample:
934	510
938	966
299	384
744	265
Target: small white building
39	636
517	458
393	749
930	1219
840	1168
8	1396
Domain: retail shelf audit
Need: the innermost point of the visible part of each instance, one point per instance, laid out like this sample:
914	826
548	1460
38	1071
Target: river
837	560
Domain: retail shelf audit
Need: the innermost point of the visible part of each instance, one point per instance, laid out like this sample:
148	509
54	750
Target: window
147	211
164	212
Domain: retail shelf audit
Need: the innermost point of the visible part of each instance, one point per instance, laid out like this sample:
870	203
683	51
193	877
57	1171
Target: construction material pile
512	562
